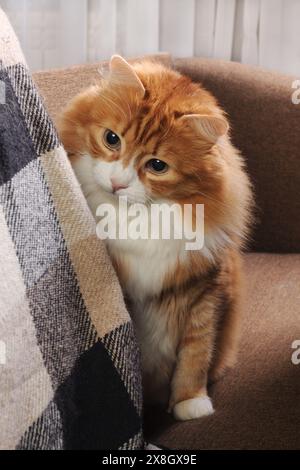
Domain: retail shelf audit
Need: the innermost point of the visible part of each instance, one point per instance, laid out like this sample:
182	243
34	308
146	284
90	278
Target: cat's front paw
193	408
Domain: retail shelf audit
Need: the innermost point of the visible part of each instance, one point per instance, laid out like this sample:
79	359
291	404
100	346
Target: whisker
219	203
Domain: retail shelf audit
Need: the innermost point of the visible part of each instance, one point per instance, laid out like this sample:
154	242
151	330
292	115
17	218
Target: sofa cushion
265	127
257	404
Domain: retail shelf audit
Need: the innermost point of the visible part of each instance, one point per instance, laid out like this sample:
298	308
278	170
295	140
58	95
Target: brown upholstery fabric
266	128
58	86
258	403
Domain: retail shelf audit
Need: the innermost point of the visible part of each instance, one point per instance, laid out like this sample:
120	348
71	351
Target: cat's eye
157	166
111	140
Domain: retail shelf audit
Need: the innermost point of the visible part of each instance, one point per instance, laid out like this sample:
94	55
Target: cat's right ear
122	74
209	126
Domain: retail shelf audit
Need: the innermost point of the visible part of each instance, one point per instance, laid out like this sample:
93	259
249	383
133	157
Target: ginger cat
149	133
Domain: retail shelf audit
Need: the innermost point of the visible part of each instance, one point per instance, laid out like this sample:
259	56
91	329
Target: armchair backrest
265	126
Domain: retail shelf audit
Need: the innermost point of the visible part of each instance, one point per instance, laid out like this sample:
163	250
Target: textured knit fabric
69	363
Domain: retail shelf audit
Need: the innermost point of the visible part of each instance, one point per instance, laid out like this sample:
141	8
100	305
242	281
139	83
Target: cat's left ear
122	74
210	127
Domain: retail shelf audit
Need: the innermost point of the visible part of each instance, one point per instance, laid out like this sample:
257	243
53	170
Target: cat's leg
227	342
189	397
229	321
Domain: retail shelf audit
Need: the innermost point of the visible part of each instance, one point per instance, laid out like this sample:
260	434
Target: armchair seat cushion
257	403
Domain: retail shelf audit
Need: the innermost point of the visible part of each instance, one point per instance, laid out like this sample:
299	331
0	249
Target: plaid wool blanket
69	364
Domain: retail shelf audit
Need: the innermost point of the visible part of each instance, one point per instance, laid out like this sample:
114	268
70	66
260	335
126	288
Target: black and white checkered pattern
65	384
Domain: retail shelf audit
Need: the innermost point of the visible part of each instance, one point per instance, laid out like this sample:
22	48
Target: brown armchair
257	404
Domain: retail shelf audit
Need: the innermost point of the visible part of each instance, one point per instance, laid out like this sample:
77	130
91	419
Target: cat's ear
210	127
122	74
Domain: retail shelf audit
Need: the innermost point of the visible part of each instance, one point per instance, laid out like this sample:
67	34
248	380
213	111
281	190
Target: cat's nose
117	185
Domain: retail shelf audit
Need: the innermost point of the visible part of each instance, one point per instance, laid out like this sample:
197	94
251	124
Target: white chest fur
147	261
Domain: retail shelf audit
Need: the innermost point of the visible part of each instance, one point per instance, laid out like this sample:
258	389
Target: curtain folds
58	33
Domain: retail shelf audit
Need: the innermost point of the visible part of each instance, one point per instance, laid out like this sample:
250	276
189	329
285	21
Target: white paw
193	408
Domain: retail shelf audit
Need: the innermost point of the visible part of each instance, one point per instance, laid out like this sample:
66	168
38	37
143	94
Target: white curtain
58	33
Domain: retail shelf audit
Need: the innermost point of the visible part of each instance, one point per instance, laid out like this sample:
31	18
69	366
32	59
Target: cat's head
150	130
153	134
